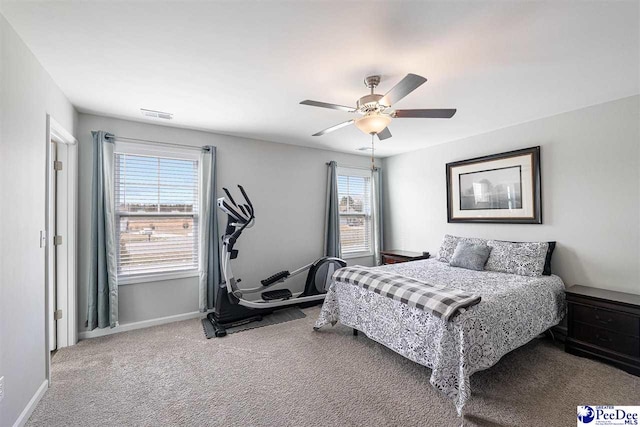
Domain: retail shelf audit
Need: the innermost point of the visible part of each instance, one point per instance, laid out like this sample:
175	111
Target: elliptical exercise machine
230	306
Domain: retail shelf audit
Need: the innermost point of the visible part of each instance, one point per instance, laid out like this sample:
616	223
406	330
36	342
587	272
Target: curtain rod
355	167
149	142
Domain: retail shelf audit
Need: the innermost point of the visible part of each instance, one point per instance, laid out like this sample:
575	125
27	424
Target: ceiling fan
376	110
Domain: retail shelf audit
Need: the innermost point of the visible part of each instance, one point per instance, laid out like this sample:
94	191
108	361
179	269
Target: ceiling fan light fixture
373	123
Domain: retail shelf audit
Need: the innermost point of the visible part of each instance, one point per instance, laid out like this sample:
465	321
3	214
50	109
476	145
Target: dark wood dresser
604	325
395	256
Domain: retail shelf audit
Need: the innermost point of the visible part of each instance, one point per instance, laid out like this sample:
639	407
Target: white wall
287	185
27	94
590	191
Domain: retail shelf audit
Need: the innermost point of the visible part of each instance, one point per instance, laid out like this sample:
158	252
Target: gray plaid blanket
440	301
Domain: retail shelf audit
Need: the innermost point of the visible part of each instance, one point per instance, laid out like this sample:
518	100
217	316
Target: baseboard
28	410
139	325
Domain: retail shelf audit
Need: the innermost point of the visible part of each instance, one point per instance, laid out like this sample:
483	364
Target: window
156	201
354	208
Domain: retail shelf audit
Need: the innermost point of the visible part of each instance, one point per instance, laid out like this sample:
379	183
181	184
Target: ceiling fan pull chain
373	161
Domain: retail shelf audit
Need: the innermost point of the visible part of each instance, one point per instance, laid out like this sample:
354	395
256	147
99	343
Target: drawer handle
607	339
601	320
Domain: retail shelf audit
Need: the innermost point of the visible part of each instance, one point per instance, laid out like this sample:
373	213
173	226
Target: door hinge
57	315
57	165
57	240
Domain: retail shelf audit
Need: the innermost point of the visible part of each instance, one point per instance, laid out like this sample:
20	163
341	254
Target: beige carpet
289	375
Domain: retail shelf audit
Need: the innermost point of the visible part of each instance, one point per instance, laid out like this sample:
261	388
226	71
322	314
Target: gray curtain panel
332	220
209	241
377	215
102	281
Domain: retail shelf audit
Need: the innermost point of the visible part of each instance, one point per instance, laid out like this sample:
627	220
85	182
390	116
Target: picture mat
527	210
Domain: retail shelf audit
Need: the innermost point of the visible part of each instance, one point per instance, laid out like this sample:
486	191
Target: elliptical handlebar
239	212
244	194
229	196
242	215
231	211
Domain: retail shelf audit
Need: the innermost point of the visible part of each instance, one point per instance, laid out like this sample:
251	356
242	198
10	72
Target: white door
62	248
53	268
62	281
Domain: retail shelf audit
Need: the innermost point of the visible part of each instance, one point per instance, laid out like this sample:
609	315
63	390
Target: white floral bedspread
513	310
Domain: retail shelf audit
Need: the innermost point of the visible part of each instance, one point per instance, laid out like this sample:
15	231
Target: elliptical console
231	308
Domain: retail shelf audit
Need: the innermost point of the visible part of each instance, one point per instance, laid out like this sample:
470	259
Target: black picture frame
536	188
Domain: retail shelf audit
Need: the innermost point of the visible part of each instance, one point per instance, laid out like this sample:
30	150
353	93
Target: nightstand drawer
606	339
602	318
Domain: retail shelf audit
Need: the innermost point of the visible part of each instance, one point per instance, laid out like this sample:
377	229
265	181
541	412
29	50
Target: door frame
66	260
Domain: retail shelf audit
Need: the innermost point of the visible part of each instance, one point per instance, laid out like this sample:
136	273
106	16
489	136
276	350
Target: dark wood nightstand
604	325
395	256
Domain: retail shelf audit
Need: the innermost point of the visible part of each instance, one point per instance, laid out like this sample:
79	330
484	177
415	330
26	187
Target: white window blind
156	214
354	208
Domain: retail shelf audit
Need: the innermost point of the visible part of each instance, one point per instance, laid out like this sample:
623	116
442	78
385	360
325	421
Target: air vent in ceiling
364	149
156	114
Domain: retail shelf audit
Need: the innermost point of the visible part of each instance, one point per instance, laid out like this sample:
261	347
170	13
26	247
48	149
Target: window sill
157	277
357	255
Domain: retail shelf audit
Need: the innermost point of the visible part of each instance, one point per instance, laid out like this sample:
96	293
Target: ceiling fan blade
332	128
326	105
443	113
407	85
384	134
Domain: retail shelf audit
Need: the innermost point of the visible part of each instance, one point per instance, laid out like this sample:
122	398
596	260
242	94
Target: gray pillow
471	256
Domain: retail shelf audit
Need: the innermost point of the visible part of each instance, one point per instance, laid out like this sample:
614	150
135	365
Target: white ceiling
241	68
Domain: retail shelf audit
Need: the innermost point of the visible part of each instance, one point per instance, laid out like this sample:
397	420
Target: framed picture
501	188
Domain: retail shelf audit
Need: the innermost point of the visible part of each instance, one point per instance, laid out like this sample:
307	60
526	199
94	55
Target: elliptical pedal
275	278
277	294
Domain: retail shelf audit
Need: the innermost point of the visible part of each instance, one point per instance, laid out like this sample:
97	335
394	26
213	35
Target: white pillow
525	259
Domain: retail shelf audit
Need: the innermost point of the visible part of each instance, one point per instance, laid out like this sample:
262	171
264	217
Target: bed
513	310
